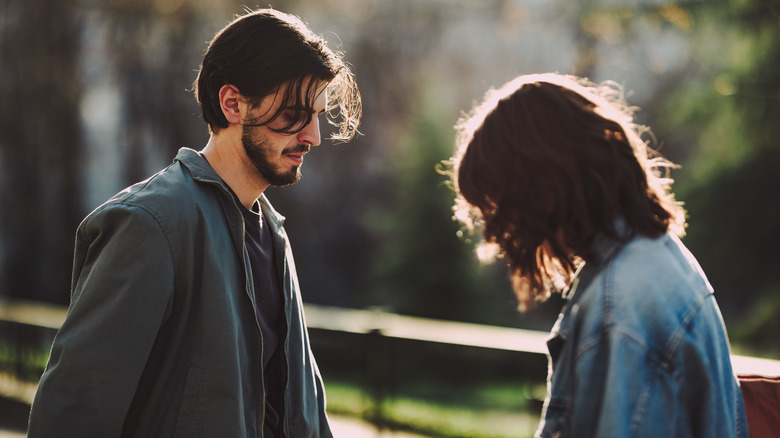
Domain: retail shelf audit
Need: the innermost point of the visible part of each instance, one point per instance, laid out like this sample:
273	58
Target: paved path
344	427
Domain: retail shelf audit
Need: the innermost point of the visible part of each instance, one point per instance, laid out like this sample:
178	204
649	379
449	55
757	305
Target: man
555	172
185	317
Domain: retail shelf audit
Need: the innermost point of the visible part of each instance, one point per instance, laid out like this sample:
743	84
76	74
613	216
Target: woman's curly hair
548	162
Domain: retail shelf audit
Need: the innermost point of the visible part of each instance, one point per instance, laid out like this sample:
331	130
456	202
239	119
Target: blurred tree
40	146
328	212
425	270
371	222
724	101
730	101
585	36
155	47
155	58
53	55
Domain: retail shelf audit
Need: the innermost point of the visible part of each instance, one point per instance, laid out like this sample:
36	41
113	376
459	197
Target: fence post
377	368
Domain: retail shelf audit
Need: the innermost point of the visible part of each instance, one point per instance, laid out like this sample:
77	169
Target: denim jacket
161	338
640	350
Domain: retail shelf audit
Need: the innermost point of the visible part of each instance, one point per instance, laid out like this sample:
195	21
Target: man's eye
295	118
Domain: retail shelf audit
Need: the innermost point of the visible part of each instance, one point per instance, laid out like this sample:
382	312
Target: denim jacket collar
604	248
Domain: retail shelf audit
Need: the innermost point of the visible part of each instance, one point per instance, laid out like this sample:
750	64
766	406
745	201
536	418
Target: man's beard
259	152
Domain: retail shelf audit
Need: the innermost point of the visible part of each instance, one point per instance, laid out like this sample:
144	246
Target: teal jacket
161	338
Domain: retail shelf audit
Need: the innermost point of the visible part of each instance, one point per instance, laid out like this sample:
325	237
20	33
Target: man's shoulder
170	195
162	188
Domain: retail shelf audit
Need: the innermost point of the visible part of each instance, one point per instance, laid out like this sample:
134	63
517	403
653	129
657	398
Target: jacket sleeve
305	404
325	431
121	291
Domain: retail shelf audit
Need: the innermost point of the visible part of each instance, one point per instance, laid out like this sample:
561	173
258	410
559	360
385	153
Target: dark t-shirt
270	314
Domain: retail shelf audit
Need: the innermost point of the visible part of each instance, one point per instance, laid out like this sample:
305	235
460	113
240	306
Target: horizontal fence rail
426	330
32	313
387	324
467	334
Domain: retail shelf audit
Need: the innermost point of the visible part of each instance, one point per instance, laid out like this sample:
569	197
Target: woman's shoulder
646	291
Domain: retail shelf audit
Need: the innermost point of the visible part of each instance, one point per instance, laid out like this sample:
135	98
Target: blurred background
95	95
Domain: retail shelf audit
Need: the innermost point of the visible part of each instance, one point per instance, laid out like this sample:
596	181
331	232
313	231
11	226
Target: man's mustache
296	149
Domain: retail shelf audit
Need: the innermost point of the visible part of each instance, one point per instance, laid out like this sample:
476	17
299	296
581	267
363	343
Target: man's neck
225	153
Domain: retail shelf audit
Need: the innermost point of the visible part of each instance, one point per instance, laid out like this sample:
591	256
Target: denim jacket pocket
188	422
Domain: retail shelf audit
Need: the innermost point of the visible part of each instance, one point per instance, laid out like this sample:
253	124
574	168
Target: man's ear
228	101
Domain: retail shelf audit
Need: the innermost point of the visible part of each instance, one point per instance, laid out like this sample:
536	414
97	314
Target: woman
554	171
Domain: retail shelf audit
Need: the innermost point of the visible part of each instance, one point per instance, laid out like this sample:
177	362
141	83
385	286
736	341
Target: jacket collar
604	249
202	171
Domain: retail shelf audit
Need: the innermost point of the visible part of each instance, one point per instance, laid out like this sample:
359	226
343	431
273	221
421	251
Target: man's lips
297	154
296	157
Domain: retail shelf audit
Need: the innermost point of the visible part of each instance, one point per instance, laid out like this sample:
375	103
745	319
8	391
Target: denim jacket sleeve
122	287
624	389
615	385
642	351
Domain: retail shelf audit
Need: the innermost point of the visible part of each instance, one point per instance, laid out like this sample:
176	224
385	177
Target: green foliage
425	268
756	335
474	411
25	362
729	105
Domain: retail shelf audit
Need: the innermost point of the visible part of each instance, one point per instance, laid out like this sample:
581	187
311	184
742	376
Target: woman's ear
228	101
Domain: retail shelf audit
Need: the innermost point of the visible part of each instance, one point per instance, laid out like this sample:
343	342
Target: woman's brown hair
548	162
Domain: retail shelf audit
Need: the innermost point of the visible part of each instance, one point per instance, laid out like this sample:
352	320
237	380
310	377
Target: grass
449	410
27	364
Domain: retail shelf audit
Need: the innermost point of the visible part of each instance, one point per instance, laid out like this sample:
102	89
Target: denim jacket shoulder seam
670	349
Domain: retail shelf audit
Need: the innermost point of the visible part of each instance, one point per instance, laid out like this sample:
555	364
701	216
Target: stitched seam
679	334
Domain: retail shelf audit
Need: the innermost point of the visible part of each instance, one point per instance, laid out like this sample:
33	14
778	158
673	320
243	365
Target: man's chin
287	179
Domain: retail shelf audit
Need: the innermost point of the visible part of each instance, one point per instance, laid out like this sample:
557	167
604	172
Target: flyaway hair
548	162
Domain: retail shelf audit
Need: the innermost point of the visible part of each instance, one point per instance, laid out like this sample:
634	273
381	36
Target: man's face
277	156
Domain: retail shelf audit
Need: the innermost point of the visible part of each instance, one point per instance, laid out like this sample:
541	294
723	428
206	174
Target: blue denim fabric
640	350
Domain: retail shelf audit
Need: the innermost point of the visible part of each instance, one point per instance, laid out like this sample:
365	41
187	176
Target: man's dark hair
547	163
267	51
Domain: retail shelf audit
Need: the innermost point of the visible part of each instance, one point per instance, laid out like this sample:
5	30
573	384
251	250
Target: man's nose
311	133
